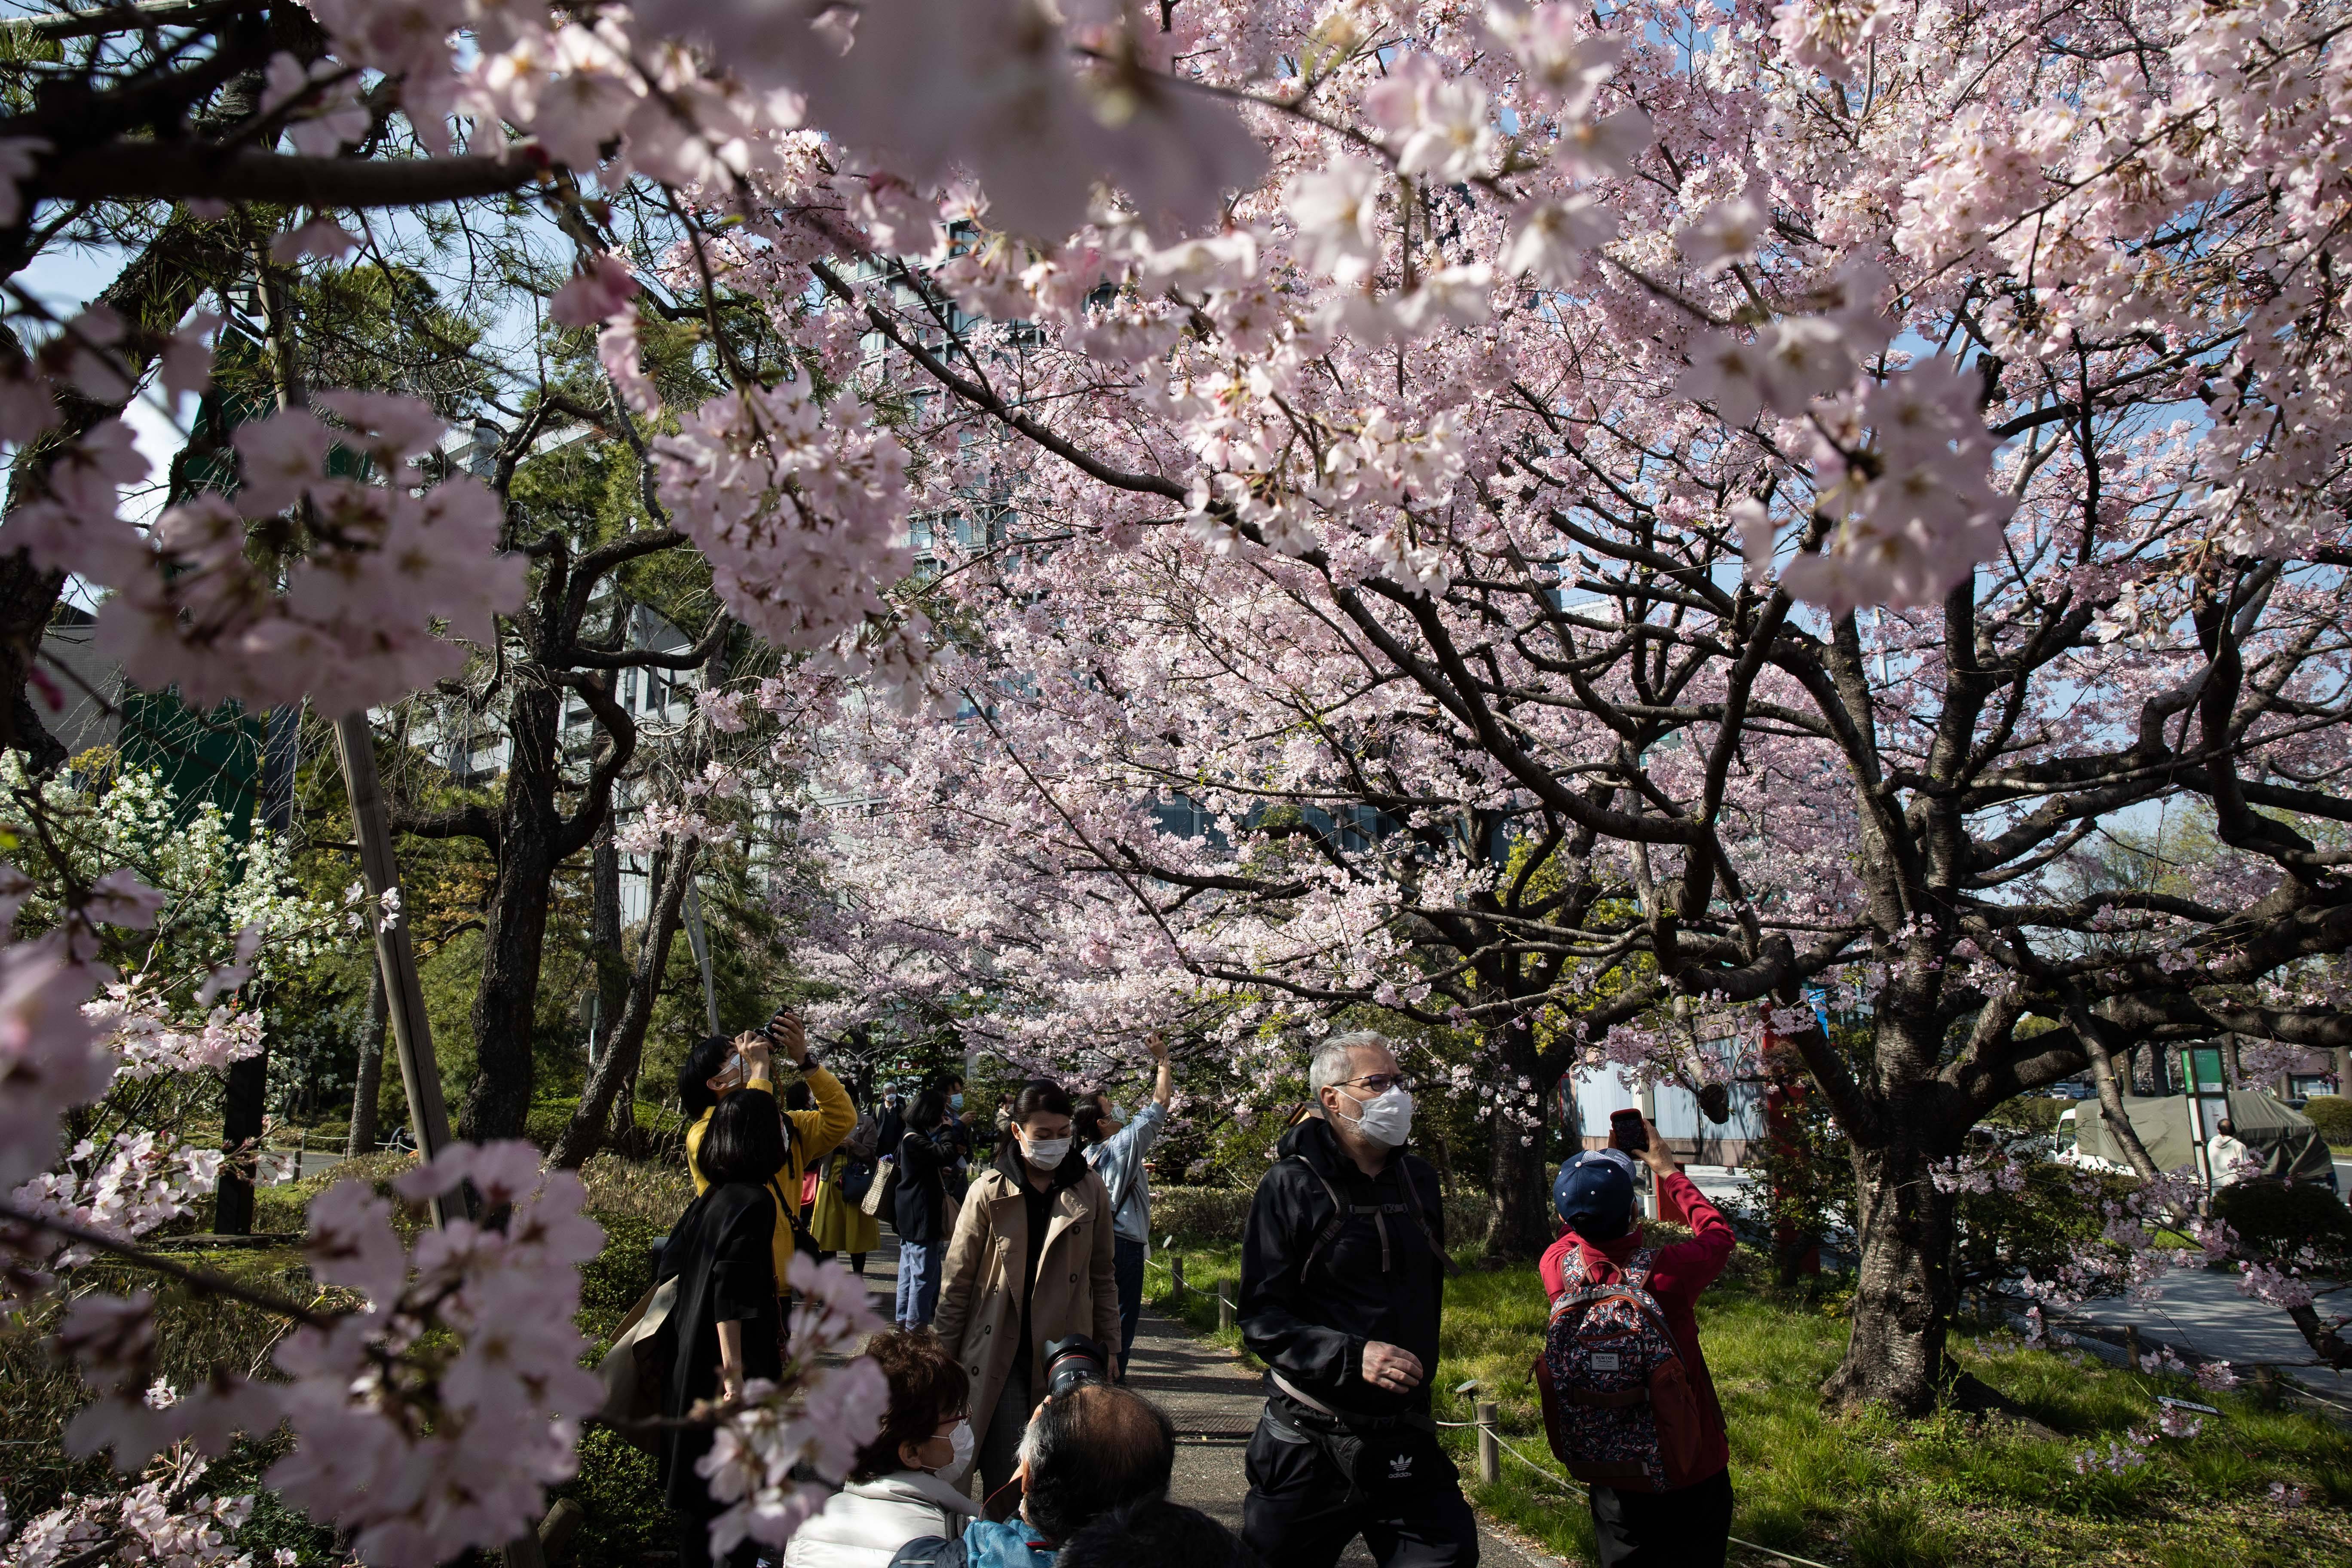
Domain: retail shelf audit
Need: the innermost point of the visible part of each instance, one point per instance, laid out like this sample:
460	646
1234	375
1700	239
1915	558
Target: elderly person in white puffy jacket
895	1494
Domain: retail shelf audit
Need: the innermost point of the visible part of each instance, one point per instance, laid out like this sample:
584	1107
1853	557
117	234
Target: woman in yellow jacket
809	1135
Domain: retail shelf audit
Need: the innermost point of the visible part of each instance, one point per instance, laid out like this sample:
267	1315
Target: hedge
2332	1114
2283	1217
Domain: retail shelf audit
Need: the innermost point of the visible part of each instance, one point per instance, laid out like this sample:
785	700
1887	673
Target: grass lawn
1881	1492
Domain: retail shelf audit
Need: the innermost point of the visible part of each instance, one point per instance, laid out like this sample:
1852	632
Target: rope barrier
1571	1484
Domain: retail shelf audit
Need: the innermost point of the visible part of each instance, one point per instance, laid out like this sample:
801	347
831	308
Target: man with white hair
1343	1284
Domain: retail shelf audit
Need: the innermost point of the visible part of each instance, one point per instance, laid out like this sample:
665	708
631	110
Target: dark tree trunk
367	1086
1903	1295
605	1101
1522	1198
242	1105
506	1003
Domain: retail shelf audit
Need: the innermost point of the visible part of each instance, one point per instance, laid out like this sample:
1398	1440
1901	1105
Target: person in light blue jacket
1117	1151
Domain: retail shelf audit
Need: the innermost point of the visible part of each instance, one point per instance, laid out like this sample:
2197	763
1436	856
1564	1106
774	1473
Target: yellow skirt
838	1225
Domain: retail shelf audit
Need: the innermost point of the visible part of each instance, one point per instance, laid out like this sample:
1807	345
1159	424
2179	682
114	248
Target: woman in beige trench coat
1030	1263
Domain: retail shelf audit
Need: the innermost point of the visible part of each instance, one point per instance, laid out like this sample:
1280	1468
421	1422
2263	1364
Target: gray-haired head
1334	1060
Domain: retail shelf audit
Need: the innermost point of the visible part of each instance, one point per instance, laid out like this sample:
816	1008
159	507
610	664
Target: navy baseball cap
1594	1195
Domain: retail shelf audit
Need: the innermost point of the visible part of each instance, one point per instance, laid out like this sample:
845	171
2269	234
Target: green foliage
2028	1113
619	1490
611	1282
2281	1217
2332	1114
2035	1229
1803	1186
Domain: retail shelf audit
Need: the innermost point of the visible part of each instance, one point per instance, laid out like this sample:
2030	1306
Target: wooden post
2266	1385
1490	1449
412	1036
1176	1274
1225	1289
2131	1346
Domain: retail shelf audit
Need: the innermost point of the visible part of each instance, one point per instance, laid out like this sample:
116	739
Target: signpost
2206	1086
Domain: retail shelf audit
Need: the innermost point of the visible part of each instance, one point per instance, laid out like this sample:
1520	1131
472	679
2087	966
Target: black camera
1071	1361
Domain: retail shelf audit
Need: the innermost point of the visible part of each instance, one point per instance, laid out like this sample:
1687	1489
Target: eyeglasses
1380	1082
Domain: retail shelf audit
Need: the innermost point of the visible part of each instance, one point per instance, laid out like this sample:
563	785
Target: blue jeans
918	1283
1127	1267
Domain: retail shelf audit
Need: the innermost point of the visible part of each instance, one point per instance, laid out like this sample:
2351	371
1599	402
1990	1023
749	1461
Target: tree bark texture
505	1015
602	1103
1903	1294
1521	1196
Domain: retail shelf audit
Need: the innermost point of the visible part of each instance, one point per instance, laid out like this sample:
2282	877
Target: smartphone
1626	1132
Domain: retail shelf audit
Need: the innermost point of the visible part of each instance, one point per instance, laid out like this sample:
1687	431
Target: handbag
882	1189
637	1366
810	1182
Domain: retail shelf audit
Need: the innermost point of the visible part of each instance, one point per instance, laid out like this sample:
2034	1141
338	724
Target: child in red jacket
1686	1528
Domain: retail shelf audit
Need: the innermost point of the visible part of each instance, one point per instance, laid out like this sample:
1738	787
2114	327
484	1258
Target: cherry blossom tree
1886	469
1796	470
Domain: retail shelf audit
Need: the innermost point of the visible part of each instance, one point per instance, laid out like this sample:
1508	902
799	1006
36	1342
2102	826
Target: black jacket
722	1252
1313	1329
922	1202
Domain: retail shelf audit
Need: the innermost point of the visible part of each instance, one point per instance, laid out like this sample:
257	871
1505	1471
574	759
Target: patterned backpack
1618	1403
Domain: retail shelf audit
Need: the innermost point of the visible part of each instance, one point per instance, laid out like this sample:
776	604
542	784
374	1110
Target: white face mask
963	1442
1045	1154
1387	1118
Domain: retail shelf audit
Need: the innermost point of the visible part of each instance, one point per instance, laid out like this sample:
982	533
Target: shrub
619	1490
2281	1216
546	1121
611	1282
2031	1113
2332	1114
656	1192
280	1209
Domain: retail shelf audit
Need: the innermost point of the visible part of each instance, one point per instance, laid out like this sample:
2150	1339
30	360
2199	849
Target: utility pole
412	1036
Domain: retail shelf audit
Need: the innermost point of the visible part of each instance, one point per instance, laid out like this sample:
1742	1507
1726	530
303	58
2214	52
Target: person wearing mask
809	1135
1085	1453
726	1318
895	1494
1343	1285
1117	1151
1688	1527
956	1134
1030	1263
921	1216
2227	1157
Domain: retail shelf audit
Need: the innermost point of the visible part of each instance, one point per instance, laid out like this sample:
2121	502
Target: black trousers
1301	1511
1684	1529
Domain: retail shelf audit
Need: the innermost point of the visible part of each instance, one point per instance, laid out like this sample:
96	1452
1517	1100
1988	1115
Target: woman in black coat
921	1215
726	1321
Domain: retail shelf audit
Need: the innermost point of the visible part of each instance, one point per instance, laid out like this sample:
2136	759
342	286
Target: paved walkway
2201	1312
1215	1405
